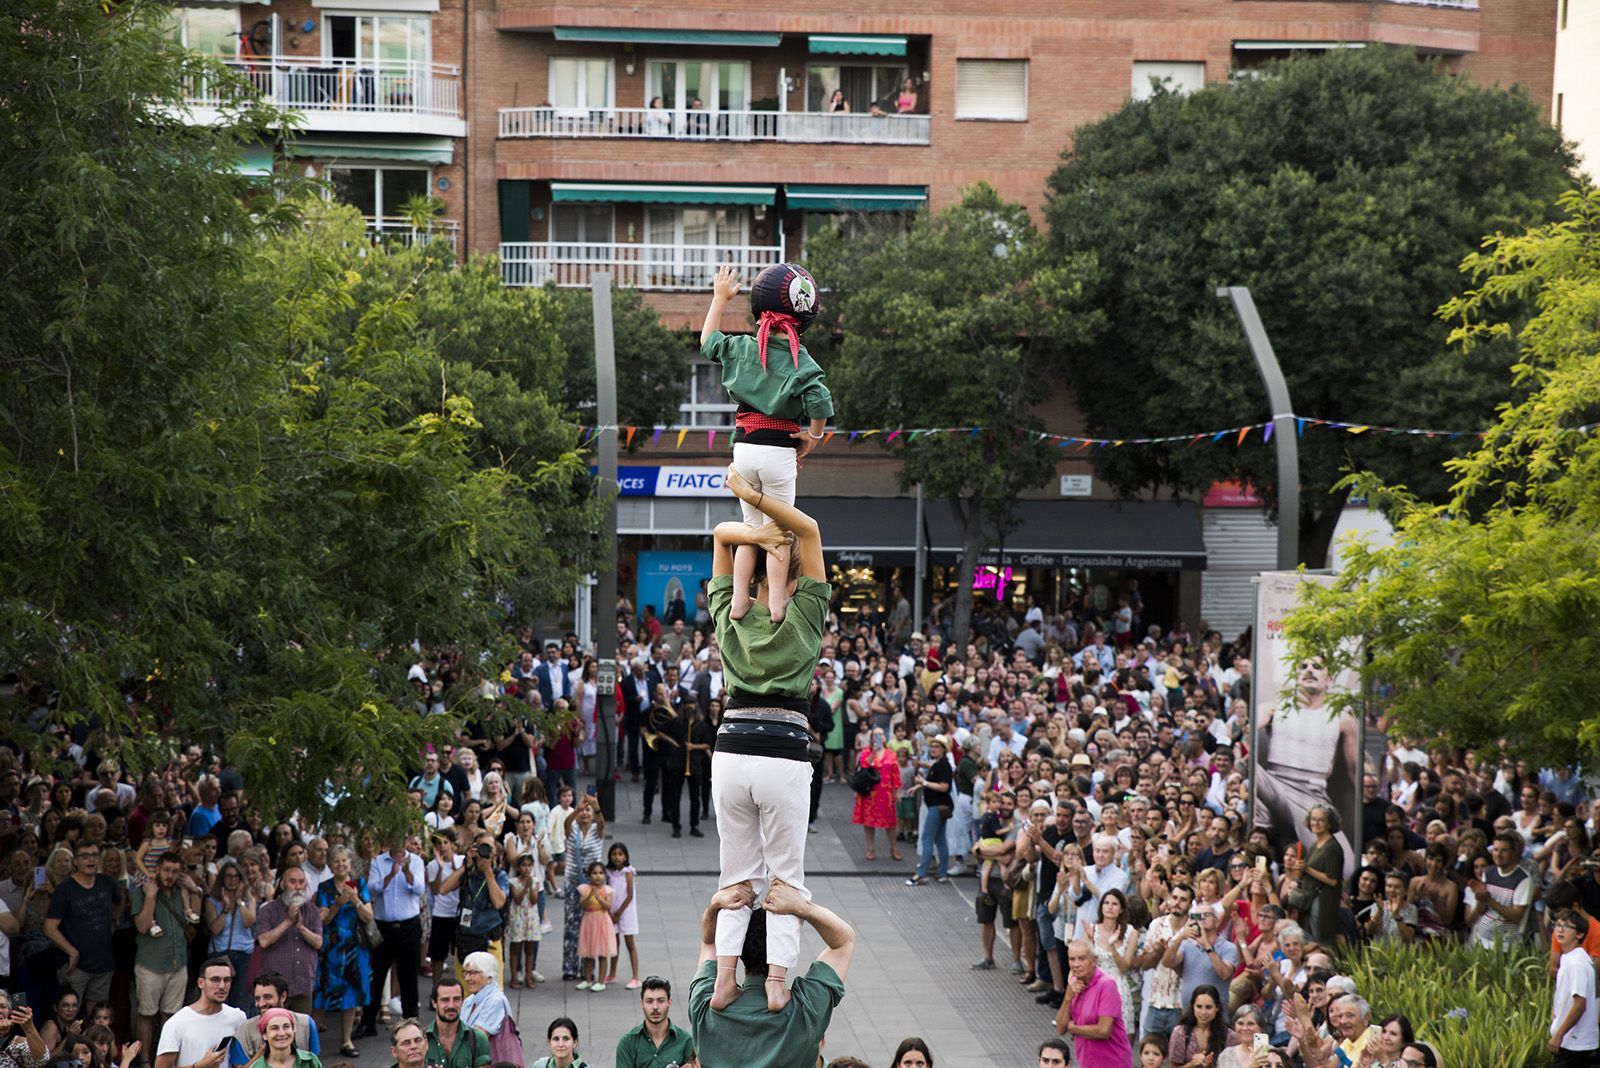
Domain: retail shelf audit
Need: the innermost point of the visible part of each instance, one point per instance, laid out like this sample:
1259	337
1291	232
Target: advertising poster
1302	755
670	581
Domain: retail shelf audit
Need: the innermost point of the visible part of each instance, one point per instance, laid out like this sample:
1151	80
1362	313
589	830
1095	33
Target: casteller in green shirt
762	660
636	1049
746	1035
783	389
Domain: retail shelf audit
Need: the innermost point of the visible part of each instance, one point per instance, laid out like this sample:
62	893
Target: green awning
836	44
640	193
856	197
255	161
373	146
621	35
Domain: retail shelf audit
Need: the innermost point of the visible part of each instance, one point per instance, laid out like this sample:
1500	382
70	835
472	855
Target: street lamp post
605	602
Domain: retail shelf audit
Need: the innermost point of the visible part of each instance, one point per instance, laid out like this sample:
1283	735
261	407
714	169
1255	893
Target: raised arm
729	898
723	289
807	535
729	536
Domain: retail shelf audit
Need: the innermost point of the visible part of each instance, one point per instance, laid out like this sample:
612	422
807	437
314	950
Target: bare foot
777	994
740	607
726	988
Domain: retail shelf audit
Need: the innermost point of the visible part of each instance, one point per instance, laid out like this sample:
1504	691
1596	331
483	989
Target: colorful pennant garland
1238	434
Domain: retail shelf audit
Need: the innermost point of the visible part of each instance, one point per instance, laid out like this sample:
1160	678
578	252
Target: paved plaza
910	976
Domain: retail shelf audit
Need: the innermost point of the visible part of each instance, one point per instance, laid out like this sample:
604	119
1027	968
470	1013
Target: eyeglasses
1414	1062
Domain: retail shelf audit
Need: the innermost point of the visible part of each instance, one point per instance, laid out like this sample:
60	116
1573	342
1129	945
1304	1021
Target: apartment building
1576	111
656	140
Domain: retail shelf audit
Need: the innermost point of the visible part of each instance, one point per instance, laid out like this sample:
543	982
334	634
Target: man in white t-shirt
199	1034
1575	1013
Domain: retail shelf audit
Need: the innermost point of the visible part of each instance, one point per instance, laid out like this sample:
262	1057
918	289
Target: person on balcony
657	122
838	102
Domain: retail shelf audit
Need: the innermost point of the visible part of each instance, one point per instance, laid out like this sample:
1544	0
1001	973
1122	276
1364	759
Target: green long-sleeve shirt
782	390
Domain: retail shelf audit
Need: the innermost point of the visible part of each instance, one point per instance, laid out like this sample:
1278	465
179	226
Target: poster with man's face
1302	755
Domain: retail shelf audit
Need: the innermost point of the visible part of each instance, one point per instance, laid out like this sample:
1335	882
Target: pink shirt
1101	998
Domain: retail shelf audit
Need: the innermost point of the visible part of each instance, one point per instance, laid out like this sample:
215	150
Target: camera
485	850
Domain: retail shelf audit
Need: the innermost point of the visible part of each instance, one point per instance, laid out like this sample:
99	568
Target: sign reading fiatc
682	481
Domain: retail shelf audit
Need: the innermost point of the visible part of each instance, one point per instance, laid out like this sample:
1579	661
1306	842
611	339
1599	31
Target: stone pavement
910	975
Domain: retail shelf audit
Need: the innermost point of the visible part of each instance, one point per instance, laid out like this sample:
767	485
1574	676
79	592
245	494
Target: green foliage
959	321
1482	616
1343	189
242	472
652	361
1506	997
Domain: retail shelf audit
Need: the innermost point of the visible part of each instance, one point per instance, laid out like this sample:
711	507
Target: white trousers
761	805
772	469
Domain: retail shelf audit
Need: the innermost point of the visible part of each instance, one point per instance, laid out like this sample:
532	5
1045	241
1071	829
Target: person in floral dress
876	809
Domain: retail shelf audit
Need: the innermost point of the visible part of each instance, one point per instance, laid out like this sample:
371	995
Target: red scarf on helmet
764	326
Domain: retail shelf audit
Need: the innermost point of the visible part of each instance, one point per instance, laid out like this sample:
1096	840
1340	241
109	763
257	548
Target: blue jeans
1160	1021
932	839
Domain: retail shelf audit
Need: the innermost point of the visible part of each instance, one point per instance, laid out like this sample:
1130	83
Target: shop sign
853	558
1077	485
1140	562
668	481
670	580
993	578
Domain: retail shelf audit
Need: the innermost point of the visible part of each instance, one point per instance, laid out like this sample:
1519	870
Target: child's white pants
761	805
771	469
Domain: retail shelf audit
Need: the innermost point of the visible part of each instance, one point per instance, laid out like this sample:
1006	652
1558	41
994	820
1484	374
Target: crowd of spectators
1087	771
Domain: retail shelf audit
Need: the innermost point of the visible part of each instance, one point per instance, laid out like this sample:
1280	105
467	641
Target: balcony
799	127
395	230
342	96
636	266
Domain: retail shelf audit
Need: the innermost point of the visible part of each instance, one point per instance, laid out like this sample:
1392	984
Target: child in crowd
157	842
597	937
988	835
624	908
523	928
769	443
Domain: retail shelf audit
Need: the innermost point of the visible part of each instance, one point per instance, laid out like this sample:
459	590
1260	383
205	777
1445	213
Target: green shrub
1505	998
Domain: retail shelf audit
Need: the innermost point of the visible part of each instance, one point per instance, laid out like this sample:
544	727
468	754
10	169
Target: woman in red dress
876	809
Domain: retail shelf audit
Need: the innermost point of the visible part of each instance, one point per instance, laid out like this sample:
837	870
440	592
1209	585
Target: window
708	404
211	31
863	86
1175	77
586	223
580	83
717	86
377	192
699	227
992	89
389	40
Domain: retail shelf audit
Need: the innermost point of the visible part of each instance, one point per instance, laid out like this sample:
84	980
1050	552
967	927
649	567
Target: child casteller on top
773	396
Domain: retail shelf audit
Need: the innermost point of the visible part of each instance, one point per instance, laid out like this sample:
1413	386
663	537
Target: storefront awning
856	197
834	44
255	161
865	531
639	193
373	146
624	35
1135	535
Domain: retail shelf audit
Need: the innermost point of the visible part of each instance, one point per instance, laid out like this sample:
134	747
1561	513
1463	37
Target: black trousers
816	789
652	779
1573	1058
401	948
672	783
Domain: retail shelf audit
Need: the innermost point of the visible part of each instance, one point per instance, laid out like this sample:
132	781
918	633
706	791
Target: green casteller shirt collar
471	1049
763	660
782	390
636	1050
746	1035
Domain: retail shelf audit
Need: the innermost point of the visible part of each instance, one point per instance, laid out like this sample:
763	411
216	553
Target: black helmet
788	289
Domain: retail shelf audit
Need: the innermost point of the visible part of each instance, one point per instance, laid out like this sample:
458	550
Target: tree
1482	617
228	512
1343	189
652	361
958	321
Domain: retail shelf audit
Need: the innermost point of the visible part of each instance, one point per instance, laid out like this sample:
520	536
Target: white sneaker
584	984
546	927
394	1007
596	988
537	977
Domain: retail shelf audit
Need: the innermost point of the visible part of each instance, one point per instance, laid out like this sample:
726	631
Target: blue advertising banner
670	580
668	480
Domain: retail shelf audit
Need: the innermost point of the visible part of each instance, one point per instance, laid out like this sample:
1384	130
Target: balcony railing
320	86
795	126
394	230
569	263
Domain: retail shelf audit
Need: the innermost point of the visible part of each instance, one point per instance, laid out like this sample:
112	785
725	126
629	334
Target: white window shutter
992	89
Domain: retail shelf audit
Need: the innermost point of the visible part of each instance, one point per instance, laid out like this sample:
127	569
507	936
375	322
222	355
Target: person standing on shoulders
1575	1014
657	1041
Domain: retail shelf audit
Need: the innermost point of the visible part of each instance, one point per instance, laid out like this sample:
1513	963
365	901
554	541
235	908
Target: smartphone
1259	1042
223	1046
20	1001
1261	865
1374	1033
